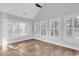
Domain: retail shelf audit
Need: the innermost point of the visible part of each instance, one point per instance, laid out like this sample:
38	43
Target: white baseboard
56	42
61	43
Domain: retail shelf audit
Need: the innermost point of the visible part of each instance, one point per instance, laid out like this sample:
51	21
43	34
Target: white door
36	29
55	29
76	29
69	28
44	29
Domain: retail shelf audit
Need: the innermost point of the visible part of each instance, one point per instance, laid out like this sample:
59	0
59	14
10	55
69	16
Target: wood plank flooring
38	48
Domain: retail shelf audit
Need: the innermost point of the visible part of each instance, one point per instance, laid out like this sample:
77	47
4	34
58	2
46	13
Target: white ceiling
53	10
27	10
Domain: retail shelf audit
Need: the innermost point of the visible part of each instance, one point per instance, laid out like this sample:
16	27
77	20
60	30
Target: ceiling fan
38	5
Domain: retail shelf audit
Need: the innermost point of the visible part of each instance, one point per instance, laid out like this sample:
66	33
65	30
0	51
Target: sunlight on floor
4	46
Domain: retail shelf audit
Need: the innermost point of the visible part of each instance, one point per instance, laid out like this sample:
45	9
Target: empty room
39	29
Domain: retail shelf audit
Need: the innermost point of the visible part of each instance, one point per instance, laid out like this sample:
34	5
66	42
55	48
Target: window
76	28
54	28
22	29
76	23
13	29
17	29
69	27
44	29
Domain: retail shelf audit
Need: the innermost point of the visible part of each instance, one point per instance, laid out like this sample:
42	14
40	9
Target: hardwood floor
38	48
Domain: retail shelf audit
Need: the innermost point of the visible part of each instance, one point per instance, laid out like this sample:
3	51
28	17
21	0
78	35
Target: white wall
49	13
61	39
53	11
9	19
